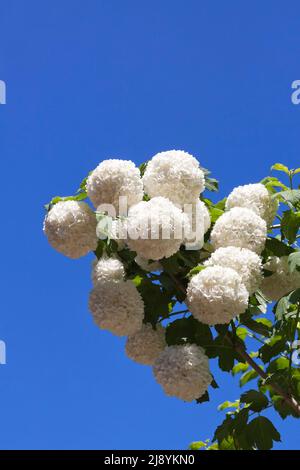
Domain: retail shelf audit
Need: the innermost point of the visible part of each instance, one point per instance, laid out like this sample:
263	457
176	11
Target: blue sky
88	80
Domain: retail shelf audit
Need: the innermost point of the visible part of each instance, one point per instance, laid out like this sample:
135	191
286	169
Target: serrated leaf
291	196
257	400
261	432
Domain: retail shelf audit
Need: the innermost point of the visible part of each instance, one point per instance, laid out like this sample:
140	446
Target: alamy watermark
2	352
2	92
295	96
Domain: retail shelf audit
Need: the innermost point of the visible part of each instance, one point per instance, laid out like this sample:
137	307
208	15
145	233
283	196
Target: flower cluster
113	179
146	345
245	262
175	175
255	197
183	371
156	228
165	219
70	227
282	281
216	295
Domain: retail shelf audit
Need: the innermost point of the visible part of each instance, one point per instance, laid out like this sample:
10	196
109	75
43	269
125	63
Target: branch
289	399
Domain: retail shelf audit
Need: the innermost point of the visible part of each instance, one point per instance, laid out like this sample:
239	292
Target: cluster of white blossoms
165	213
282	281
175	175
221	290
183	371
107	270
117	307
156	228
216	295
146	345
70	227
245	262
113	179
255	197
240	227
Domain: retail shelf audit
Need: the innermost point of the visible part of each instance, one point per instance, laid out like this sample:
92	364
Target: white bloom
117	307
146	344
156	228
240	227
146	265
70	227
216	295
245	262
183	371
108	270
112	179
255	197
176	175
282	281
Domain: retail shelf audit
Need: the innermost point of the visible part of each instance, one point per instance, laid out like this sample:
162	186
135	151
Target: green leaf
275	247
290	224
280	167
294	261
215	213
195	270
296	171
281	307
228	404
189	330
261	326
272	348
247	377
203	398
239	367
257	400
261	432
197	445
142	168
291	196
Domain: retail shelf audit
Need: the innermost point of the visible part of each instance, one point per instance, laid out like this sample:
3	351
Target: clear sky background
92	79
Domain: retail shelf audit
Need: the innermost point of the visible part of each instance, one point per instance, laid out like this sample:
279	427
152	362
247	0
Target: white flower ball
156	228
245	262
183	371
107	270
282	281
114	178
146	345
176	175
216	295
70	227
255	197
240	227
117	307
146	265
